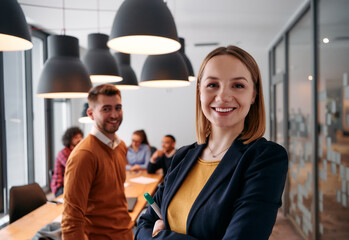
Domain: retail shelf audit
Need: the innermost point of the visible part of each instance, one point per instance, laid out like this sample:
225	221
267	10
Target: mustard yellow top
179	207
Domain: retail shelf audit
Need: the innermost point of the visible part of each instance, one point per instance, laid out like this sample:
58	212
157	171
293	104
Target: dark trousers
59	191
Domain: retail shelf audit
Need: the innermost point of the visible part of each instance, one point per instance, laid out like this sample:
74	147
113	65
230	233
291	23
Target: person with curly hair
70	139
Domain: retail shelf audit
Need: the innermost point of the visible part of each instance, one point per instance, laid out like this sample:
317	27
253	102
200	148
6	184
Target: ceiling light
187	61
63	75
325	40
84	117
168	70
144	27
98	60
129	81
14	31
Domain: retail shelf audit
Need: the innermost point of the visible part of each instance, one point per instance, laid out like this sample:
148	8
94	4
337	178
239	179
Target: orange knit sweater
94	196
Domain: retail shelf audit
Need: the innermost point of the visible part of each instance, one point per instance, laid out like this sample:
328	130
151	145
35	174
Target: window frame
29	131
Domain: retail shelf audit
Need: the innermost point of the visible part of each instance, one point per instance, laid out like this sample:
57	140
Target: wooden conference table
26	227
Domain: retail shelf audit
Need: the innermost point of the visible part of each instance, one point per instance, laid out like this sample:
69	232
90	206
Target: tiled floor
283	229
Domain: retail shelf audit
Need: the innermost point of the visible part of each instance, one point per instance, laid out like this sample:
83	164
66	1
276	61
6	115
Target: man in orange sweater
95	205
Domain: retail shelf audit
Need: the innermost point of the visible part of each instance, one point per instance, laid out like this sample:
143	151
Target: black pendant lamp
98	60
167	70
129	80
144	27
187	61
63	75
14	31
84	117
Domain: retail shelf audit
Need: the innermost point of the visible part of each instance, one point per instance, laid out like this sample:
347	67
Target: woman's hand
158	226
135	167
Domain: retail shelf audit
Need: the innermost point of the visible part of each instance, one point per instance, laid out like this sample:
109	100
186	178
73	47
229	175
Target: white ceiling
249	23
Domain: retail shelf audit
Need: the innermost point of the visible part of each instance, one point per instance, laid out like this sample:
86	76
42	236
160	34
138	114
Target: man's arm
78	179
154	163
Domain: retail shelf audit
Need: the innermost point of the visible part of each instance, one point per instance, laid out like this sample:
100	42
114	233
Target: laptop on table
131	202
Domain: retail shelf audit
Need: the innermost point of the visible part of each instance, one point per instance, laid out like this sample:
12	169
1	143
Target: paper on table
143	180
58	219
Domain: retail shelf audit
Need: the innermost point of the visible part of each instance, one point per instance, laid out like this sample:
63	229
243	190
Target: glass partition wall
333	105
299	109
315	47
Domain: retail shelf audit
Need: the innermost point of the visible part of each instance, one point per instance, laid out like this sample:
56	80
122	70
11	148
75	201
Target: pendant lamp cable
63	10
98	28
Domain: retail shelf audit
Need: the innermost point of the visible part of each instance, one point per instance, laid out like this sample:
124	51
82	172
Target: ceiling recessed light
325	40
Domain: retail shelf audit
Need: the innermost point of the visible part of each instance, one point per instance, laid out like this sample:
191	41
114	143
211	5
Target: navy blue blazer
239	201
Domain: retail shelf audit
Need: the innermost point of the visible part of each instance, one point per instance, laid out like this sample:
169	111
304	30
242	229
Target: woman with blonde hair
229	184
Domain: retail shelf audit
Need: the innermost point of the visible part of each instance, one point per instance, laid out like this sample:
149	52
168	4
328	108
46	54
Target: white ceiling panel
250	23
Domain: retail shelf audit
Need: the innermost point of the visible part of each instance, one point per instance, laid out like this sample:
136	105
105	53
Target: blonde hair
254	126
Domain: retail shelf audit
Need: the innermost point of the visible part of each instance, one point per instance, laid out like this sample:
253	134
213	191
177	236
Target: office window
333	115
15	116
280	58
40	163
280	108
279	113
300	145
62	120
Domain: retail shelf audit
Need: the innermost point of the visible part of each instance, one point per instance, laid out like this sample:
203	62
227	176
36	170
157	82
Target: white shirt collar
171	153
104	139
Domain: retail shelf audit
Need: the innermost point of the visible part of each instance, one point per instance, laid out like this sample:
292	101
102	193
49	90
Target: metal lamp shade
14	31
144	27
129	81
63	75
98	60
168	70
84	117
187	61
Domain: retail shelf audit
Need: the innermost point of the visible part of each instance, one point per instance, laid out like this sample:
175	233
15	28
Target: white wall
261	57
159	112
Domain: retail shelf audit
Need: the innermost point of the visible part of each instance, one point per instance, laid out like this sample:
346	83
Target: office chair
152	150
50	174
24	199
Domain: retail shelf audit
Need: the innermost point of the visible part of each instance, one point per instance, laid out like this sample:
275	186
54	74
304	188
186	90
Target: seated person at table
138	154
162	158
70	139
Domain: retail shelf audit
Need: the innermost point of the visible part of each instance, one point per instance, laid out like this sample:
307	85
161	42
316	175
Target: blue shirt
142	157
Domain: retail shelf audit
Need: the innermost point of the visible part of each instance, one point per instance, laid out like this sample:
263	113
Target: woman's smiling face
226	92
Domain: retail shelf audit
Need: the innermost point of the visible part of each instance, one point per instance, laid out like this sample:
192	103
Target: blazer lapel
224	168
177	179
